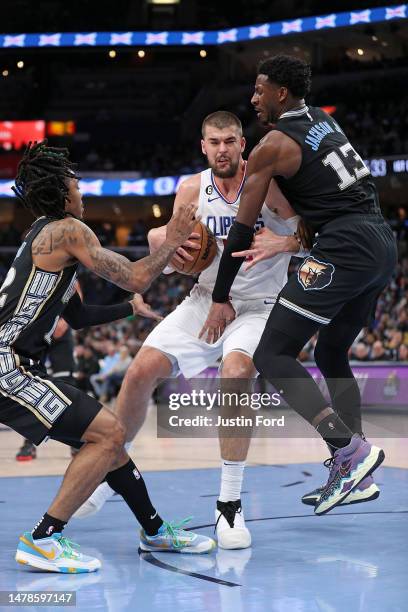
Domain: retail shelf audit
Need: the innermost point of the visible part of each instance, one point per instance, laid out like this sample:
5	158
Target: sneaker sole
376	457
188	549
312	501
33	561
245	542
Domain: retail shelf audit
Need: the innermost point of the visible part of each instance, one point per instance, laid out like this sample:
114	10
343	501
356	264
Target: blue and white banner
161	186
210	37
168	185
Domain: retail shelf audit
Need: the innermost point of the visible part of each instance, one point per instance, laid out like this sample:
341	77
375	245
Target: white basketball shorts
177	334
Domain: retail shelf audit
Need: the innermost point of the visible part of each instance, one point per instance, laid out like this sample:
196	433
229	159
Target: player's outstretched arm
157	236
78	315
265	245
80	242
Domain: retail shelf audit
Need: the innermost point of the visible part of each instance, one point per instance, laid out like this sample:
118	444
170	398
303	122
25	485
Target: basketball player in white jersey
173	347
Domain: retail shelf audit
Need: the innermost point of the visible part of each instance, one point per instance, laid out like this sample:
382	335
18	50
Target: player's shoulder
69	231
275	139
190	184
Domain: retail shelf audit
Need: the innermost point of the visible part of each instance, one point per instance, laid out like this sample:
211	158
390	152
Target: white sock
232	474
101	494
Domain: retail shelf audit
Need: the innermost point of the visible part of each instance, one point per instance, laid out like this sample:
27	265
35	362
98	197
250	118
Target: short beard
229	173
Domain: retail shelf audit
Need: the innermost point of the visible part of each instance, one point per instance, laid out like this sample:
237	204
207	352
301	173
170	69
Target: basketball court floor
353	559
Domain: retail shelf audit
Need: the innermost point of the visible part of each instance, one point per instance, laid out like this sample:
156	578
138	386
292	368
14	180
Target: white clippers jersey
267	278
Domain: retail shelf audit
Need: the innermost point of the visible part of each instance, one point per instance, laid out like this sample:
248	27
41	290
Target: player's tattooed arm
82	244
188	191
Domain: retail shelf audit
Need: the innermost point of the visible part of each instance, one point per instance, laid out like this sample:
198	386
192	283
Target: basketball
203	257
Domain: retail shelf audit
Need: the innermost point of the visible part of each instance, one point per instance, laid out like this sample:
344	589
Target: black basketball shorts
350	264
38	406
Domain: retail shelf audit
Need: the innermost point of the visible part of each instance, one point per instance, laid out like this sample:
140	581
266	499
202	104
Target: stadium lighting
360	51
374	38
5	73
163	1
141	53
203	53
112	53
20	64
156	211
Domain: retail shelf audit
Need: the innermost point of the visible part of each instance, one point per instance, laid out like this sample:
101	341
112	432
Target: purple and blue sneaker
348	467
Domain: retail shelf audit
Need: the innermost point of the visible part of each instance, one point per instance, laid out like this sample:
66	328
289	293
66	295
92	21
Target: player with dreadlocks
38	289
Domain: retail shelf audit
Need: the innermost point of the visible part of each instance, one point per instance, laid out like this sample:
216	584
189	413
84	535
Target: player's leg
45	547
141	379
132	402
286	332
173	344
149	365
237	374
331	355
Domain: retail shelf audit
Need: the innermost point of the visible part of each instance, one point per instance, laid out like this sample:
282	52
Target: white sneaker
94	503
230	526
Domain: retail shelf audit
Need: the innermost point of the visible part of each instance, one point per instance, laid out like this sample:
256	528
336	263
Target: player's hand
181	224
219	317
144	310
266	244
306	234
182	255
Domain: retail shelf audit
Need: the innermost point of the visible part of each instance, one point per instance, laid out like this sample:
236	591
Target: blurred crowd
103	353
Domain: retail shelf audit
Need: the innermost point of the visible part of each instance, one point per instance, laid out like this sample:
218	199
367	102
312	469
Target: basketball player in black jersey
336	287
38	289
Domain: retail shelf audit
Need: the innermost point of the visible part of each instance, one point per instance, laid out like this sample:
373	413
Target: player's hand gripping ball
197	253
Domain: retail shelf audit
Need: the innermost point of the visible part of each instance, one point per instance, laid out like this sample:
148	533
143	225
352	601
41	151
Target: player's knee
328	357
136	374
117	435
238	366
110	432
143	370
320	355
260	361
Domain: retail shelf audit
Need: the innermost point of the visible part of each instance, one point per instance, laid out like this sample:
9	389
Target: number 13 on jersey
347	178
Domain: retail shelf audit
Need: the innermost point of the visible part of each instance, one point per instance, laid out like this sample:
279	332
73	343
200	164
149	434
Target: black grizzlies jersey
332	179
31	301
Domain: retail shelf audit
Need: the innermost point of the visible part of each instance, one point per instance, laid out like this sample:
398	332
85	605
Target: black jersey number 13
347	178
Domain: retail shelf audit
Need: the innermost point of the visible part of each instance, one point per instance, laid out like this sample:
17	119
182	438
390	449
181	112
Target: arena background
129	105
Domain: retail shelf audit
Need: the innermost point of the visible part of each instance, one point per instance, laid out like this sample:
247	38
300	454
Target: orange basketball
203	257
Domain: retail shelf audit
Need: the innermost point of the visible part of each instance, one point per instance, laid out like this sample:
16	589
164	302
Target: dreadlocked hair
41	183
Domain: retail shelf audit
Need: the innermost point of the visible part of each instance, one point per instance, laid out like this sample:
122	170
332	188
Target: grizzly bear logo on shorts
315	274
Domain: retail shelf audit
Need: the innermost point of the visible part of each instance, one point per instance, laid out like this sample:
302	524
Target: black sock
47	526
334	432
128	482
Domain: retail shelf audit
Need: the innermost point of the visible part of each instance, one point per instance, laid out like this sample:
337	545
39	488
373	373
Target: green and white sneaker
171	537
54	554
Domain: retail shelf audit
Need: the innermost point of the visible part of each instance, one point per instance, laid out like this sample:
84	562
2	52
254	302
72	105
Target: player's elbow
141	282
155	237
75	322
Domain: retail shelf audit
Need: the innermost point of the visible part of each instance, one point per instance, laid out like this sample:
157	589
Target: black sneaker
27	452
